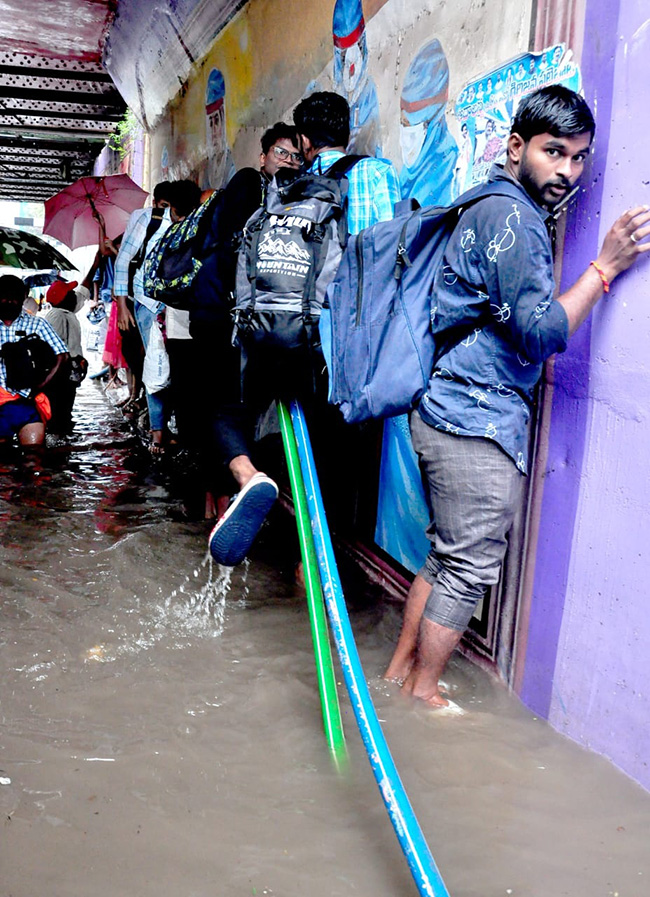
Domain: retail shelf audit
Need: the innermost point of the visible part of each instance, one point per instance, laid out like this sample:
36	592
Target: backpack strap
339	171
342	166
251	267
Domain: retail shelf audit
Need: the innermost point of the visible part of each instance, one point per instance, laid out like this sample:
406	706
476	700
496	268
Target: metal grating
56	111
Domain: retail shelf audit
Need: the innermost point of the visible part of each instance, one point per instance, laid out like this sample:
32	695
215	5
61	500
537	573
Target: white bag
155	371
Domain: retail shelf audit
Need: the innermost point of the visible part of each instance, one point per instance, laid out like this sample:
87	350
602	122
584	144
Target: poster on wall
485	108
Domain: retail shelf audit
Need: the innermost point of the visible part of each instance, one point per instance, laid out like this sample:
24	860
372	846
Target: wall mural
429	152
352	78
219	166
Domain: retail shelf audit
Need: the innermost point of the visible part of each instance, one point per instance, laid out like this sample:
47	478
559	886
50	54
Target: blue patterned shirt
24	325
494	293
373	189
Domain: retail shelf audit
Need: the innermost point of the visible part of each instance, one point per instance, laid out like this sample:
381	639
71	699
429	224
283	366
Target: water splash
210	598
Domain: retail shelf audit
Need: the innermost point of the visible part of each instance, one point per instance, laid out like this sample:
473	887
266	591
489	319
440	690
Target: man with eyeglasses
226	425
279	150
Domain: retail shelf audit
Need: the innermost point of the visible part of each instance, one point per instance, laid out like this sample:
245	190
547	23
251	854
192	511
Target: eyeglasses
282	153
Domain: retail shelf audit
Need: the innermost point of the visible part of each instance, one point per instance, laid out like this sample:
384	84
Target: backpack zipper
359	252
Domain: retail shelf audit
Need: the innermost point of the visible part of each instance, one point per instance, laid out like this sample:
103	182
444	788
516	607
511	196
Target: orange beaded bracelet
601	273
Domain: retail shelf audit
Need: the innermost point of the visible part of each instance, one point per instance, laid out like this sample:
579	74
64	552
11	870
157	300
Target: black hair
553	110
12	288
324	118
161	191
69	301
279	131
184	197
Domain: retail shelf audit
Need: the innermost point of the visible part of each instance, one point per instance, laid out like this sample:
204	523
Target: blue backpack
377	326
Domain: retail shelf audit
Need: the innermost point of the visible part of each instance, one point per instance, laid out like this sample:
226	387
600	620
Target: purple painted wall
587	663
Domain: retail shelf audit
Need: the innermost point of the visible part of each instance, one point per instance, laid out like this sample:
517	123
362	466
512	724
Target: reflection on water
161	733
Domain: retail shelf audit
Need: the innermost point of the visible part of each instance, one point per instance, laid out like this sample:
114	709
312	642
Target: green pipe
322	651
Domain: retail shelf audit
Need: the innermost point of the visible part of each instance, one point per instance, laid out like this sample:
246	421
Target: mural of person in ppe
430	160
351	78
429	151
220	165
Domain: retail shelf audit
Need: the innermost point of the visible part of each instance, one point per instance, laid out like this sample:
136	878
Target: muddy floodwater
161	733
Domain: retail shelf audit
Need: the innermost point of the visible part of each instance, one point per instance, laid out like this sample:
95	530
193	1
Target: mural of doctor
430	160
429	151
352	80
220	166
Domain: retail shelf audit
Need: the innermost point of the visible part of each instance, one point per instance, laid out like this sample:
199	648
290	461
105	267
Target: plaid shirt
24	325
135	232
373	189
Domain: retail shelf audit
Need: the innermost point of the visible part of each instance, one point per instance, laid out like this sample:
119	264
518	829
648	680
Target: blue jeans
475	491
157	402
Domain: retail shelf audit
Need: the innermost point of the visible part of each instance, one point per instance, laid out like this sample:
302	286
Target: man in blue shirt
494	294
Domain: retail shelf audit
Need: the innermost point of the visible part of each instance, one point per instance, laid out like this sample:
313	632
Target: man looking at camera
494	294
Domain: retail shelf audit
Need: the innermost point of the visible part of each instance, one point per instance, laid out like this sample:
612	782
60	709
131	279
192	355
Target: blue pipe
408	831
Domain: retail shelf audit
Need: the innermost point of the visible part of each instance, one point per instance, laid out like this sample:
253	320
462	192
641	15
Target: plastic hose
408	831
322	651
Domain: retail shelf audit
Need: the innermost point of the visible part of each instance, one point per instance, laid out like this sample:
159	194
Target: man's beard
541	193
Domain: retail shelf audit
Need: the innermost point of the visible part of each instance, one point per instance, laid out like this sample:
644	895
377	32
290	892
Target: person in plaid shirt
24	412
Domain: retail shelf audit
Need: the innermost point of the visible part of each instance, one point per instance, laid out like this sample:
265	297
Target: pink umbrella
74	214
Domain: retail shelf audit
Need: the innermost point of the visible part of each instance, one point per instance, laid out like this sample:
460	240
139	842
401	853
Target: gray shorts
475	490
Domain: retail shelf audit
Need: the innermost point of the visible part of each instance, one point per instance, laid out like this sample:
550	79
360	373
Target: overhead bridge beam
107	117
41	94
60	74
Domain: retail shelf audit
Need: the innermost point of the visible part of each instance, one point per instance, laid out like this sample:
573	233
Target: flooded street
161	730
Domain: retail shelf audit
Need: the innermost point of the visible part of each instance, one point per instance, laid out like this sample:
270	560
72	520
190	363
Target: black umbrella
43	279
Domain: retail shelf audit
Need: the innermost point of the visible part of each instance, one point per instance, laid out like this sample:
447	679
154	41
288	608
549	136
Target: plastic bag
155	371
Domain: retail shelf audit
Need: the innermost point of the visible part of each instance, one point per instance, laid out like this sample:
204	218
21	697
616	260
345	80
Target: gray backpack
290	252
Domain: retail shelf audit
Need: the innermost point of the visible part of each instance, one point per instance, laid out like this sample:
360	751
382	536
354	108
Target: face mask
352	69
411	138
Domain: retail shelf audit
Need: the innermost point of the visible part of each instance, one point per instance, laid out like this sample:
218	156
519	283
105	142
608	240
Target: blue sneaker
235	532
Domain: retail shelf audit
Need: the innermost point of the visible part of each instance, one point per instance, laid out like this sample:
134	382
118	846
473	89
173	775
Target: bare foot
156	446
399	668
429	694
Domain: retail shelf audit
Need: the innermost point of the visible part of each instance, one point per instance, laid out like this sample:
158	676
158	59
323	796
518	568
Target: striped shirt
373	189
24	325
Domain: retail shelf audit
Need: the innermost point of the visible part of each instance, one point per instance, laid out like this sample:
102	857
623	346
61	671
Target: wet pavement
160	730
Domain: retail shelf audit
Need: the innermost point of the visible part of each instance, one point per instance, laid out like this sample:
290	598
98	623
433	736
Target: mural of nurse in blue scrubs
430	159
429	152
351	77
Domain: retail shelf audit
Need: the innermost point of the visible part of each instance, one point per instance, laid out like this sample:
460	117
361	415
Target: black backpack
290	252
28	361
